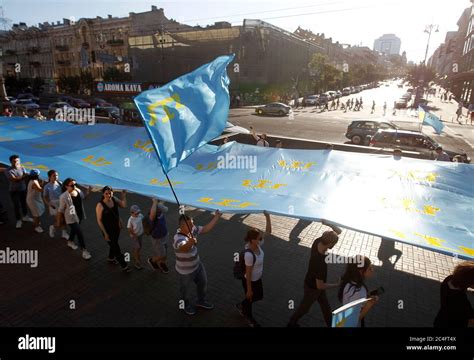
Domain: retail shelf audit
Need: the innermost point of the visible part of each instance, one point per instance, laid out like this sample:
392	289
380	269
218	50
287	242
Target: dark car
273	109
360	131
112	113
414	141
401	103
28	96
97	102
79	103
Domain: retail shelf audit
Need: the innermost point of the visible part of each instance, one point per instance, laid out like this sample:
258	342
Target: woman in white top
252	282
34	199
353	286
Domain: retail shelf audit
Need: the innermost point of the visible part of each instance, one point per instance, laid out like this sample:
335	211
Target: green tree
420	75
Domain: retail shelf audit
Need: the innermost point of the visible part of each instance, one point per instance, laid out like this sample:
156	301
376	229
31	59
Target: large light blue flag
419	202
430	119
188	112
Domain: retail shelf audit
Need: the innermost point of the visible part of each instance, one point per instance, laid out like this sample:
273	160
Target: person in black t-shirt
456	310
315	284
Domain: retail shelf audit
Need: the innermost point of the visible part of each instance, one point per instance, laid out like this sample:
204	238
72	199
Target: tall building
388	44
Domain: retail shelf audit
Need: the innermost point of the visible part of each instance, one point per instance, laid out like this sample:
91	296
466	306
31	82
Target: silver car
273	109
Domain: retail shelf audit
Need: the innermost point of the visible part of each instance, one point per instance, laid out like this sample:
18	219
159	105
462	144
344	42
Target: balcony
64	62
62	47
115	42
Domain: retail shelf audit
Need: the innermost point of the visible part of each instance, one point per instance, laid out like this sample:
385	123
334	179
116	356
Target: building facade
388	44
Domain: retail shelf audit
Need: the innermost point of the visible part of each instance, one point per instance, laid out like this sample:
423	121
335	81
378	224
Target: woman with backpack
110	224
159	236
252	280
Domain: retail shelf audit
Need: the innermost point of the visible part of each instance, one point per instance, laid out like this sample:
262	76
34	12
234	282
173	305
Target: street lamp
428	30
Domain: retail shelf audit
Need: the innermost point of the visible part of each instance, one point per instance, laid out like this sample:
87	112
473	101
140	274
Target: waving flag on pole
188	112
430	119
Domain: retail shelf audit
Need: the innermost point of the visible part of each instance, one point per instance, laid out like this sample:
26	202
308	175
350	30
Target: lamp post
428	30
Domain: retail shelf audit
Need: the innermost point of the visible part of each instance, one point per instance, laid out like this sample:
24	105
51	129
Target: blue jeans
199	277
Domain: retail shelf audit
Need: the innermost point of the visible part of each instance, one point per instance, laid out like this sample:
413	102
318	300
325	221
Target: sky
349	22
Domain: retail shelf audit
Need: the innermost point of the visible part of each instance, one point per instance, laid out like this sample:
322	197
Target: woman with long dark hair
456	311
353	285
71	206
110	224
252	281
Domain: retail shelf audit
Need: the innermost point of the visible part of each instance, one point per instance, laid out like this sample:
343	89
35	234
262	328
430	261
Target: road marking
453	133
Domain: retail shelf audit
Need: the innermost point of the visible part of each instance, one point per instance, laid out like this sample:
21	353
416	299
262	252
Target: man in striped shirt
188	265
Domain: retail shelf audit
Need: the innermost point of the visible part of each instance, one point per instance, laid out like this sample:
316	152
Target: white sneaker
72	245
18	224
27	218
65	235
39	229
86	255
52	231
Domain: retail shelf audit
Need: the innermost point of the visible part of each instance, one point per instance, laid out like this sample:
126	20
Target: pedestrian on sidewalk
373	107
110	224
71	207
353	286
337	104
459	110
136	231
17	177
456	310
315	283
159	236
51	194
34	199
189	267
361	103
384	108
252	281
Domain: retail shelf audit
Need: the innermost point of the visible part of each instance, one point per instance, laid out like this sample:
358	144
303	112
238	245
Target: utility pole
428	29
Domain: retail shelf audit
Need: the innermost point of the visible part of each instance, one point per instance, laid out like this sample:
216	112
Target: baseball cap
135	209
34	172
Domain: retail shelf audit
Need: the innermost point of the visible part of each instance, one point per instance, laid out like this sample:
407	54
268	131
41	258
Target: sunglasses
71	185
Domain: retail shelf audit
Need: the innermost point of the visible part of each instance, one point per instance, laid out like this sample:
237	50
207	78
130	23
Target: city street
310	123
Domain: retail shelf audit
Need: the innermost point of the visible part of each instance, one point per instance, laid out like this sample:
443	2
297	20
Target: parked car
274	108
311	100
329	95
360	131
52	108
346	91
97	102
28	96
109	112
401	104
79	103
413	141
323	99
26	105
338	94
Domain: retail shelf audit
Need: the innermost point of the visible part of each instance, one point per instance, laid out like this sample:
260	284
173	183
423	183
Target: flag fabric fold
188	112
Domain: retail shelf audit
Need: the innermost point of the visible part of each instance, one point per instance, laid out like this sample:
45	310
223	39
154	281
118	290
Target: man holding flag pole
180	117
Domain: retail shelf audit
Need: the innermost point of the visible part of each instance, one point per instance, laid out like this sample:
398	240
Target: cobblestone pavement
104	296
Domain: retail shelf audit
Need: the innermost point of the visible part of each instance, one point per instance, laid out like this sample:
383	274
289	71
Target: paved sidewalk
104	296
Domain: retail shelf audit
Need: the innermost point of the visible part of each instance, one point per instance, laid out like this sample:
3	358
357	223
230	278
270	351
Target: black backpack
239	266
